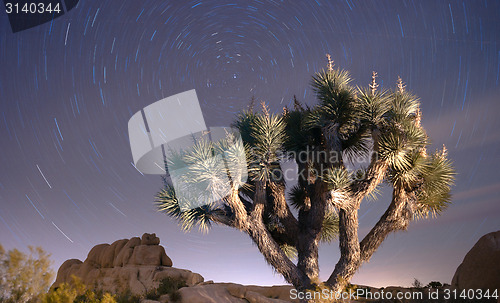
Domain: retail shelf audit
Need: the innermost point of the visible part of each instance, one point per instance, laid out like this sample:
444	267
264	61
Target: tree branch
310	225
271	251
396	217
350	250
282	210
374	176
238	209
349	260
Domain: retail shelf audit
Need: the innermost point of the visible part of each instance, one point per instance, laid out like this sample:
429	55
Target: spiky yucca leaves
328	85
297	196
403	144
244	123
298	138
206	169
236	155
409	170
265	135
338	178
341	115
433	194
268	133
401	134
203	176
290	251
330	228
373	107
201	216
337	116
402	106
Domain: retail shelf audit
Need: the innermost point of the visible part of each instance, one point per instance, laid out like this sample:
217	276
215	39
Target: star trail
68	88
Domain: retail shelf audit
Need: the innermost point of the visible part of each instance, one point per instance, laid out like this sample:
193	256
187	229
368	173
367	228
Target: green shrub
434	284
175	296
127	297
168	285
76	292
152	294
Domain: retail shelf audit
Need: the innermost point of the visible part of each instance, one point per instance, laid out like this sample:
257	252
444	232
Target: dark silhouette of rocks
480	268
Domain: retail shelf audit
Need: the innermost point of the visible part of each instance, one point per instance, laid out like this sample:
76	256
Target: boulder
480	268
123	256
111	252
279	292
179	274
150	239
210	293
255	297
95	254
149	255
235	293
67	268
138	265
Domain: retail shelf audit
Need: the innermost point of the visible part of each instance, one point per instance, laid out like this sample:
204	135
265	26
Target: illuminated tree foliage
353	140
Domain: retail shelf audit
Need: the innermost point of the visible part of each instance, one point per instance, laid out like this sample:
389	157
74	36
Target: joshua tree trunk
349	250
271	251
353	253
310	224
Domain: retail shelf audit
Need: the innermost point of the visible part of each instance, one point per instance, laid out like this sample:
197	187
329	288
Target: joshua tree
329	142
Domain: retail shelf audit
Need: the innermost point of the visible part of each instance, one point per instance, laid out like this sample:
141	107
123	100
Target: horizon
69	87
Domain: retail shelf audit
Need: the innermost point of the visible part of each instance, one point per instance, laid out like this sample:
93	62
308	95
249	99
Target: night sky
69	87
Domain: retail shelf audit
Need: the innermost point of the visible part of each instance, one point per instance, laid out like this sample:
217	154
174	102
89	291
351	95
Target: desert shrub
62	294
76	292
152	294
175	296
127	297
434	284
169	285
24	277
417	284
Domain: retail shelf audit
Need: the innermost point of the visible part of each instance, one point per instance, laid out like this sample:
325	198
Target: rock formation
481	266
138	265
235	293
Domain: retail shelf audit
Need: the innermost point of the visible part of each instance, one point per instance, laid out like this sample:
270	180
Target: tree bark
396	217
282	210
274	255
349	250
353	253
271	251
310	224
